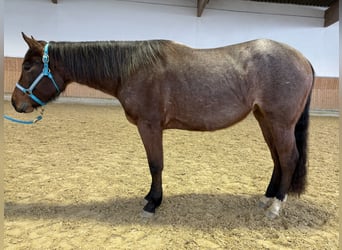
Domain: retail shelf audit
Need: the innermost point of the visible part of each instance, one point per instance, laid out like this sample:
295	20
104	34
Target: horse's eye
26	66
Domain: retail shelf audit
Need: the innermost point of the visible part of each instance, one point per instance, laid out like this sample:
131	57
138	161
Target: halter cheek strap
46	72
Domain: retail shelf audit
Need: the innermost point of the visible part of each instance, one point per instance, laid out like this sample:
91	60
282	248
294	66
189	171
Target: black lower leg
155	195
273	186
152	202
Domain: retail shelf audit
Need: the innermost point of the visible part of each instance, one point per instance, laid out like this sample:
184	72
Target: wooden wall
324	96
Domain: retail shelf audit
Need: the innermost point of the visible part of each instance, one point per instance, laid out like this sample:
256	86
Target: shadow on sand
189	210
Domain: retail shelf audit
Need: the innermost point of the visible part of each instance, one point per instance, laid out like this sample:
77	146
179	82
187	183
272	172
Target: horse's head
37	85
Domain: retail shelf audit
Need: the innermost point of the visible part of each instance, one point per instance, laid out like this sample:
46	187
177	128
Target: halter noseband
45	72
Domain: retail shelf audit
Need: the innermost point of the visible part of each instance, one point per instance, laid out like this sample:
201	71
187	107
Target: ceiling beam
331	15
200	6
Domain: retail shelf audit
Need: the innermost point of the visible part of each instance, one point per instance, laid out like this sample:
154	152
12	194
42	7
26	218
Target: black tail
301	133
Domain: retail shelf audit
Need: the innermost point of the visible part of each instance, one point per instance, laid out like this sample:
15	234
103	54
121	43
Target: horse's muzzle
23	107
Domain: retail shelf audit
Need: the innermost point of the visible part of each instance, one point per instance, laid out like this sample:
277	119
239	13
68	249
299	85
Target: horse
163	84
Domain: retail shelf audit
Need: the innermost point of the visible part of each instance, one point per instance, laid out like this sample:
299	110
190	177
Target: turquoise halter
29	91
45	72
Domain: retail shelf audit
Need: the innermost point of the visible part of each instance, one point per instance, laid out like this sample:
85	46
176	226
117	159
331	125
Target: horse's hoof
271	214
145	214
264	202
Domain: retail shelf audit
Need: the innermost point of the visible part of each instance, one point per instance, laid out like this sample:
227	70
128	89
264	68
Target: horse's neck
103	65
84	66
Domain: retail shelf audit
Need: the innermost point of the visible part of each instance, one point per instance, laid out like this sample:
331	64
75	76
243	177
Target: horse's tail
301	133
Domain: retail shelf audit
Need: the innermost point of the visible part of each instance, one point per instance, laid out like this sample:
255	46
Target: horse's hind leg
285	144
281	142
151	136
274	184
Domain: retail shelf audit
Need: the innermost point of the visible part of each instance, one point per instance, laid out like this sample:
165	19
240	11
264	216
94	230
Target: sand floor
76	180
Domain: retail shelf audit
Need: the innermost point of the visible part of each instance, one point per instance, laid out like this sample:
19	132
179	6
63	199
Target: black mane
94	61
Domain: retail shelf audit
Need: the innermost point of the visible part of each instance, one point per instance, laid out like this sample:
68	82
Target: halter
29	91
45	72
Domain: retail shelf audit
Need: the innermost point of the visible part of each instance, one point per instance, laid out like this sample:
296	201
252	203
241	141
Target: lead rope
38	118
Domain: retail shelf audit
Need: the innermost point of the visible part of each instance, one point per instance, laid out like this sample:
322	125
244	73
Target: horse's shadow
195	210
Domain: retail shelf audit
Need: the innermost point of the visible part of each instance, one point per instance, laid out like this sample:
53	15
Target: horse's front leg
151	135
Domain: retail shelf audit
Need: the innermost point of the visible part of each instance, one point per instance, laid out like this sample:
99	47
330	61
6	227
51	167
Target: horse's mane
94	61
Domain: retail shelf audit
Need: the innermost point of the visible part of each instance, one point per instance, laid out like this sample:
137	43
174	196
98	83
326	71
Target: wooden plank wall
324	96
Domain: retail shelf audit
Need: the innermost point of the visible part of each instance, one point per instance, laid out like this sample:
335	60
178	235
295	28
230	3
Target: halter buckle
45	58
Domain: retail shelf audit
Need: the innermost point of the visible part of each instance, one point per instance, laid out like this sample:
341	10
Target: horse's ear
31	42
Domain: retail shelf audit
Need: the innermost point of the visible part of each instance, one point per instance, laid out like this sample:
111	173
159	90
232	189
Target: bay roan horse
165	85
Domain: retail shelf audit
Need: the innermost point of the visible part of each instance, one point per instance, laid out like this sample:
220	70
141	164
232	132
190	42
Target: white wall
223	22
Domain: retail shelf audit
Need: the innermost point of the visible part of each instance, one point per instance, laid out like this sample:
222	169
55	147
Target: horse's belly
206	119
217	104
